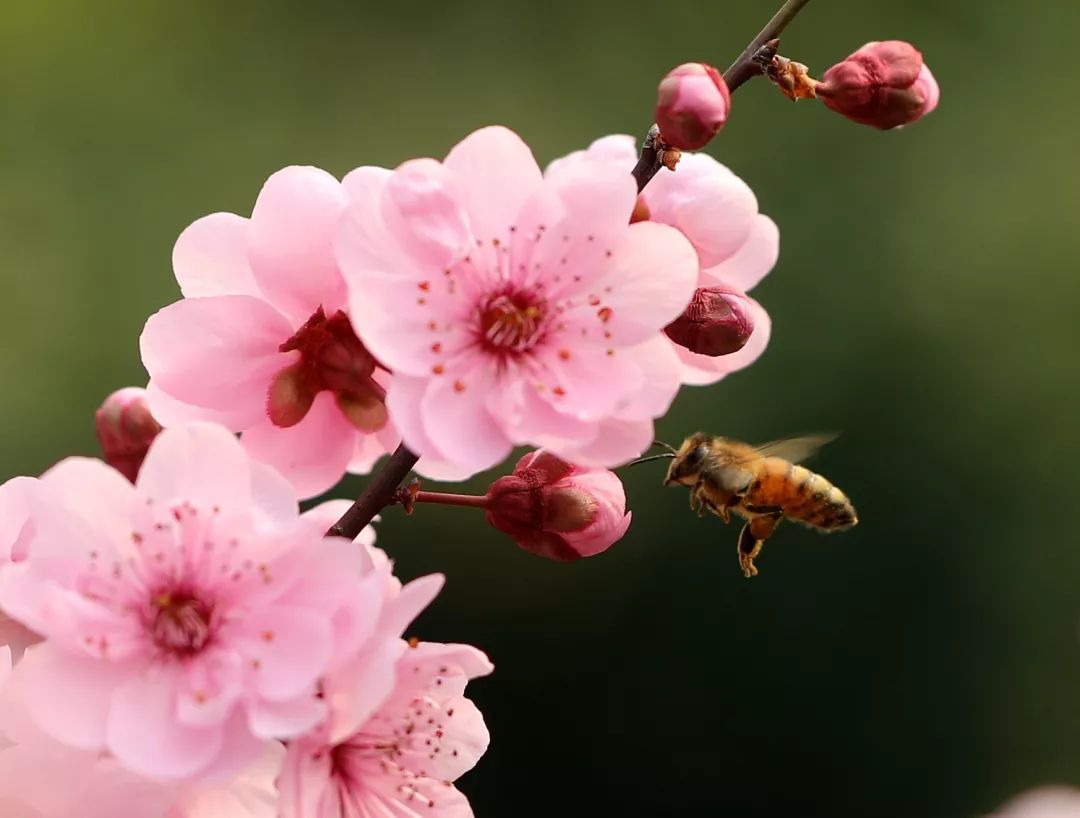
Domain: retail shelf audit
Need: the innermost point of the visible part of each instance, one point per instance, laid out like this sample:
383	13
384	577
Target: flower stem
378	494
743	69
438	497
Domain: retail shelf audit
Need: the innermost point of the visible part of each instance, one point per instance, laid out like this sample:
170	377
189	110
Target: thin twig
744	68
378	494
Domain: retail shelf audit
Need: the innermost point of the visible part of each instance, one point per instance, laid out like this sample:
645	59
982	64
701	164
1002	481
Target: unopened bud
883	84
717	322
558	510
125	429
692	104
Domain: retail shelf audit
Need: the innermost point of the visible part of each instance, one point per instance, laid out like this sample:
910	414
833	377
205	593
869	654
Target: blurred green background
925	664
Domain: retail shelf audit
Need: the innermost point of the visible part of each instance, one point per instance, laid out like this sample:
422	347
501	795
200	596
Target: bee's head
686	465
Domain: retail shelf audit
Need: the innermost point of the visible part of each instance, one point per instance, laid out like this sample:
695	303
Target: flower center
333	359
180	622
512	322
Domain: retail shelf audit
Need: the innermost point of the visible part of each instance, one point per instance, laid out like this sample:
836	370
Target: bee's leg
753	535
700	500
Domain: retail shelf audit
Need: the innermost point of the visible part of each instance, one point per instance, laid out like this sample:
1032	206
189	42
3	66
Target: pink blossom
260	342
718	212
514	309
188	619
125	429
16	533
1044	802
692	105
401	758
557	510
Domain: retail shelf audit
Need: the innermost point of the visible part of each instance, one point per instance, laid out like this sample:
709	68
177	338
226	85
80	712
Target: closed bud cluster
125	429
692	105
717	322
558	510
884	84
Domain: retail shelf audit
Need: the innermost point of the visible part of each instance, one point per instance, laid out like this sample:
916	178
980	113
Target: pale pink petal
68	696
273	496
403	400
355	691
588	382
143	733
494	174
198	462
456	418
421	212
370	448
616	442
462	739
463	660
619	149
329	512
251	794
15	637
752	260
365	183
383	797
660	373
537	421
291	241
219	352
709	203
290	646
168	411
698	370
285	719
645	284
313	454
14	516
399	612
210	258
305	782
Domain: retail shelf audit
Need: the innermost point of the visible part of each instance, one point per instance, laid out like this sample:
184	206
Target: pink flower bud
558	510
883	84
692	105
125	429
717	322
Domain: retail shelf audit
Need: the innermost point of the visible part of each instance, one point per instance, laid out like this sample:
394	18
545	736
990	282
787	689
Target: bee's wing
795	449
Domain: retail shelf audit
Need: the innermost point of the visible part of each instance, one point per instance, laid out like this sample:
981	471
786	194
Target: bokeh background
926	300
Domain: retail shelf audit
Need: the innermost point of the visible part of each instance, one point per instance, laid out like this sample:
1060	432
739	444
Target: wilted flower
884	84
260	342
512	308
692	105
125	429
557	510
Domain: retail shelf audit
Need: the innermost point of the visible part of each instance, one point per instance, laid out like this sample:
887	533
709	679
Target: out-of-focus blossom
884	84
125	429
1045	802
400	758
188	619
514	309
260	342
16	533
718	212
692	105
558	510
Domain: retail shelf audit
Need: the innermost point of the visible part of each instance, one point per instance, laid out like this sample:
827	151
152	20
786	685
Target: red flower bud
717	322
557	510
883	84
692	105
125	429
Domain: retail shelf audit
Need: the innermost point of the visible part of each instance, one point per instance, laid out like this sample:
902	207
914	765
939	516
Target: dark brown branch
746	67
378	494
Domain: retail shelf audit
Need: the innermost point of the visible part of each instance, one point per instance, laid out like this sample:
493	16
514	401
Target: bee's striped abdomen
802	495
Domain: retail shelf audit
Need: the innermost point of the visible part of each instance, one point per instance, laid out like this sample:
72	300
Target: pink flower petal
273	496
285	719
660	370
399	612
699	370
403	400
211	258
313	454
709	203
355	691
383	797
219	352
305	783
494	174
370	448
422	214
168	411
365	183
752	260
652	274
143	733
68	696
290	647
14	516
463	739
619	149
456	418
198	462
291	241
572	386
616	442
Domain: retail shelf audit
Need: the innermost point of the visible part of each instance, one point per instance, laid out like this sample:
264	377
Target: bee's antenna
667	446
664	456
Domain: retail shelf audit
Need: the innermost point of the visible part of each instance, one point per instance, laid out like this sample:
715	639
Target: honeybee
761	484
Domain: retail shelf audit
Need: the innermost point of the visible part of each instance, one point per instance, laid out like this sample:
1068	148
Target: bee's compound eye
695	457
